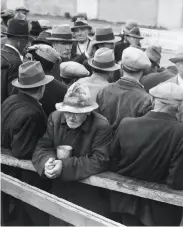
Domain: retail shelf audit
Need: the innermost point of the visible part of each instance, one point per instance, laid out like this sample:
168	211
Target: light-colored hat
81	23
77	100
104	60
104	35
167	92
45	24
71	69
45	51
129	25
61	33
178	56
31	75
135	59
154	53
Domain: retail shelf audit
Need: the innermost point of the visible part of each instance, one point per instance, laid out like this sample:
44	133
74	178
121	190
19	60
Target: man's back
125	98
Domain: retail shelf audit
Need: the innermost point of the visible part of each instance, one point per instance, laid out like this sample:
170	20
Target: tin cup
64	151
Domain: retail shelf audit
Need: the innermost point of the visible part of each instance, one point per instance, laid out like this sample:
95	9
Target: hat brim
115	40
46	80
6	33
110	69
25	10
134	36
37	41
81	26
71	109
59	39
175	60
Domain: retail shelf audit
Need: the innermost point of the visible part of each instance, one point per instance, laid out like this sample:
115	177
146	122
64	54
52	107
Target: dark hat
36	28
7	14
19	28
129	25
22	8
31	75
81	23
79	15
134	32
154	54
42	38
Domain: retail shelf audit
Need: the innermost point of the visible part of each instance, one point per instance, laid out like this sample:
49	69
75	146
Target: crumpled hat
135	59
45	51
77	100
154	53
167	92
71	69
7	14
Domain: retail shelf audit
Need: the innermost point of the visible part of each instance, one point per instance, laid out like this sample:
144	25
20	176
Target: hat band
62	36
78	104
103	65
80	24
106	37
24	80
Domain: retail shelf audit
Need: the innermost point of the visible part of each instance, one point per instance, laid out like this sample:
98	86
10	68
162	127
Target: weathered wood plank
53	205
115	182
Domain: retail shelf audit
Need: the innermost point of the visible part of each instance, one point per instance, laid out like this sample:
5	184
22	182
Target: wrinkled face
108	45
180	68
133	41
74	120
81	34
63	48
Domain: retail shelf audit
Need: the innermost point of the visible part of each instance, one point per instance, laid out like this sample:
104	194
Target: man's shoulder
11	55
100	120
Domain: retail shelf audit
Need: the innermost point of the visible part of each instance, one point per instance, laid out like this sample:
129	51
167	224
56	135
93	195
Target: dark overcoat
149	148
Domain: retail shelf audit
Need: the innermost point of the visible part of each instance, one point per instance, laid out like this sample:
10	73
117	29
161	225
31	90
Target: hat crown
61	29
80	22
130	24
154	53
18	27
104	31
134	31
45	23
7	13
104	55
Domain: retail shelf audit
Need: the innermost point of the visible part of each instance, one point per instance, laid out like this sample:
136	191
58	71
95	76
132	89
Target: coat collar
86	124
130	82
11	51
160	115
28	98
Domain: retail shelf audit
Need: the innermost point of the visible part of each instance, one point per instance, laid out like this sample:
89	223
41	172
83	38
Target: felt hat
41	39
79	15
154	53
61	33
77	100
104	35
81	23
45	24
22	8
71	69
135	33
178	56
135	59
44	51
19	28
31	75
129	25
36	28
104	60
167	92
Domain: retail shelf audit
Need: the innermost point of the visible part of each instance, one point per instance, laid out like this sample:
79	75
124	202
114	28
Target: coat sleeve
175	176
44	149
26	135
77	168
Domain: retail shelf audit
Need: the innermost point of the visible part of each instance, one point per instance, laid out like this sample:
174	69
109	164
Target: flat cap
71	69
167	92
135	59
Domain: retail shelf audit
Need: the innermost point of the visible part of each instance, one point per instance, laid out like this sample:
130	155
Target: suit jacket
154	153
12	58
127	97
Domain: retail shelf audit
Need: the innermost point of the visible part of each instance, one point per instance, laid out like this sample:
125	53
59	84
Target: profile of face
74	120
81	34
63	48
108	45
179	66
23	12
133	40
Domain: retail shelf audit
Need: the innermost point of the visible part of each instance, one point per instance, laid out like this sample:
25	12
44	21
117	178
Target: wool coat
149	148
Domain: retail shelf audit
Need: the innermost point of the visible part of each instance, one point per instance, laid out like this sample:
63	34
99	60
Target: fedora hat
178	56
134	32
129	25
134	59
22	8
104	35
19	28
41	39
80	23
104	60
31	75
154	54
77	100
61	33
79	15
167	92
71	69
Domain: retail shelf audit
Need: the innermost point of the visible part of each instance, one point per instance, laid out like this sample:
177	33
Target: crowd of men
103	95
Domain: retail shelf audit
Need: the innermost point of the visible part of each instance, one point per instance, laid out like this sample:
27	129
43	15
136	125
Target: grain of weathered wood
53	205
115	182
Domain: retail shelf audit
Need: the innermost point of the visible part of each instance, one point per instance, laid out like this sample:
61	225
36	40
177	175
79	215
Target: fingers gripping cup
64	151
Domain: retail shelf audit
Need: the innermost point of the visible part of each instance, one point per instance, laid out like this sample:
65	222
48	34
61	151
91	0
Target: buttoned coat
149	148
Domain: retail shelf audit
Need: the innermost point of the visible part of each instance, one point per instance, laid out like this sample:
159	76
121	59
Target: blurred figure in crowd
22	10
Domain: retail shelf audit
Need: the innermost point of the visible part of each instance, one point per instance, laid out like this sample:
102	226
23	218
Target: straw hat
31	75
77	100
61	33
104	60
104	35
178	56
